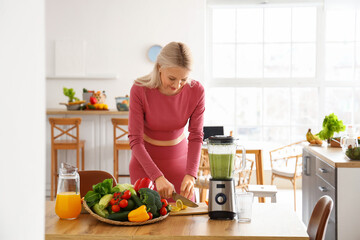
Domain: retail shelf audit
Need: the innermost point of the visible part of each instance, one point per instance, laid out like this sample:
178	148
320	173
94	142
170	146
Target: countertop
58	111
333	156
269	221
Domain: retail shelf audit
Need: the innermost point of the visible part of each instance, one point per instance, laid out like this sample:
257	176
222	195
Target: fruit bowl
122	103
124	223
353	153
73	106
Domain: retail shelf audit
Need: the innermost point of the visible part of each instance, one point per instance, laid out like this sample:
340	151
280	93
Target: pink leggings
170	160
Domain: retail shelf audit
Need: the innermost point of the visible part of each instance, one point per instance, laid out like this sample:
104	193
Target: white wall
22	121
118	34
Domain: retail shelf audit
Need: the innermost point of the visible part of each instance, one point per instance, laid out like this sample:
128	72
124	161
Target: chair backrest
204	165
73	123
118	124
90	178
319	218
245	174
287	152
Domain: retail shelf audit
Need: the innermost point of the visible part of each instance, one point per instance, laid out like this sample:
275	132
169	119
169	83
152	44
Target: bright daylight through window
276	70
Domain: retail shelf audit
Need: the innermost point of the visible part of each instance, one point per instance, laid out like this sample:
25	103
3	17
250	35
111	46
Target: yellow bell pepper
139	214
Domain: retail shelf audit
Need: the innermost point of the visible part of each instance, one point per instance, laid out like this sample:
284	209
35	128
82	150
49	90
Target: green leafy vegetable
92	198
331	124
99	190
70	93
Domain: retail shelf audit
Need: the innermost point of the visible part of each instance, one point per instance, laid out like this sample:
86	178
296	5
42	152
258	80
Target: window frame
318	81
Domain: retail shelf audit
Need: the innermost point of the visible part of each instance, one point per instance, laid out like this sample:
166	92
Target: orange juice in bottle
68	205
68	202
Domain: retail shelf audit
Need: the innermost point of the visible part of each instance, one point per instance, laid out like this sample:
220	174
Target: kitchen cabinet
326	171
97	131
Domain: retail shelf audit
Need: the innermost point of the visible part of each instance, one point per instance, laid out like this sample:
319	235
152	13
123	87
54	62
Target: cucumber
130	206
119	216
101	212
105	200
137	200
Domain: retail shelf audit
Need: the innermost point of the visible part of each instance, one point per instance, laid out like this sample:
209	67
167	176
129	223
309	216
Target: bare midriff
164	143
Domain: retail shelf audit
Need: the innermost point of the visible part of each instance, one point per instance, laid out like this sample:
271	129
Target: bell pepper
93	100
143	183
139	215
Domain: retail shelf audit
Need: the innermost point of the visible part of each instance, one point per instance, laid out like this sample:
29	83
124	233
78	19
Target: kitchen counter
333	156
59	111
269	221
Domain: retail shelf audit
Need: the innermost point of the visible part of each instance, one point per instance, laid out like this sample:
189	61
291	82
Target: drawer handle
323	170
323	189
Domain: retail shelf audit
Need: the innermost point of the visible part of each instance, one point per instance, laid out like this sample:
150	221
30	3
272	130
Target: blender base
222	215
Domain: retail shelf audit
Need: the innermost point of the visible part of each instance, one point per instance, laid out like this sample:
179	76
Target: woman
161	104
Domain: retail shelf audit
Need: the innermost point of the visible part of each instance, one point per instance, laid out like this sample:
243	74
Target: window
275	70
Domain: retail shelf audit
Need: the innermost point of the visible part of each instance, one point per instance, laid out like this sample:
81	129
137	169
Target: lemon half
180	204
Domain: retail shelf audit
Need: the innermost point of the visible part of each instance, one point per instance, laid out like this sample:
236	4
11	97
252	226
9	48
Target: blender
223	166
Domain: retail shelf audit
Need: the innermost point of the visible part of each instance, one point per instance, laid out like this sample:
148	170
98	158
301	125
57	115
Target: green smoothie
221	165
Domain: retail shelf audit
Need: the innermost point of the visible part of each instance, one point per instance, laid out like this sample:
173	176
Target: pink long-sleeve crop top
163	117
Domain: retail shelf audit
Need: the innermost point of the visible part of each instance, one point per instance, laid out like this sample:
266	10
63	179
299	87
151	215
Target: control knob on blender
220	198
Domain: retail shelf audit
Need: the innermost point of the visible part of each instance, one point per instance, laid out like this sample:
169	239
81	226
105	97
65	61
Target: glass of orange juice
68	202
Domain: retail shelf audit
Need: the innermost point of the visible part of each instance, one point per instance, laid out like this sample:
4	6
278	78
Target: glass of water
244	201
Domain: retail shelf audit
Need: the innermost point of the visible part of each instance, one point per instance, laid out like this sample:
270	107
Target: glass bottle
68	202
349	139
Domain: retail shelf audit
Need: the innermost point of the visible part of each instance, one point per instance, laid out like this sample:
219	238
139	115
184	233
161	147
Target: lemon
175	209
180	205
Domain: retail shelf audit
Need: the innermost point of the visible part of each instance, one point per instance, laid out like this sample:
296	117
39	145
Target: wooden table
269	221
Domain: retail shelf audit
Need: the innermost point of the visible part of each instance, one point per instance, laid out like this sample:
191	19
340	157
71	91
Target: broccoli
151	199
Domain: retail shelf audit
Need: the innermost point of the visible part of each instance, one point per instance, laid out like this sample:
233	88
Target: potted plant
72	105
331	125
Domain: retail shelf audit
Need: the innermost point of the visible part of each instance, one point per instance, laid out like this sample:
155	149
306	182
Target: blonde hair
174	54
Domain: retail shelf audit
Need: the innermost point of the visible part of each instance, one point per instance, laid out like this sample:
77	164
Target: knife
185	201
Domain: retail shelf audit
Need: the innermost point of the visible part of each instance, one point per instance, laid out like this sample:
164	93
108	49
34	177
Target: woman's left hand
187	186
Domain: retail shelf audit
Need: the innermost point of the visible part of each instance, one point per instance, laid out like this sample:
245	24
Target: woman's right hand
164	187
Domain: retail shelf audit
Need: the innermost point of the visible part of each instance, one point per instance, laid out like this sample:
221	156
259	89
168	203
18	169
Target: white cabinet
97	131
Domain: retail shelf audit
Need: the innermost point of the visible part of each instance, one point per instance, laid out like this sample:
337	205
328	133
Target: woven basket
105	220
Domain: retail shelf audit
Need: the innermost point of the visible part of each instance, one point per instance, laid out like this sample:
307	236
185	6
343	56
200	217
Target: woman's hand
164	187
187	186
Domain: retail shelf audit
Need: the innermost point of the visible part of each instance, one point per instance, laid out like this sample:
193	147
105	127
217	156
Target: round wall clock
153	52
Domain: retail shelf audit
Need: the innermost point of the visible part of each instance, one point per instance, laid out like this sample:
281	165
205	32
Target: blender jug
68	202
222	157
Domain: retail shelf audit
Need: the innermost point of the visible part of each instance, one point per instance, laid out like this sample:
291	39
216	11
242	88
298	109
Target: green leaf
92	196
331	124
104	187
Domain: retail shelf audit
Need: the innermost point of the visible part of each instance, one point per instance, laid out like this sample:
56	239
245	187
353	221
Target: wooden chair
56	144
90	178
286	163
319	218
203	178
119	142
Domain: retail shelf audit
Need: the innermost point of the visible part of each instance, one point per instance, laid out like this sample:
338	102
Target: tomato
115	208
150	215
112	201
123	203
126	195
163	211
164	202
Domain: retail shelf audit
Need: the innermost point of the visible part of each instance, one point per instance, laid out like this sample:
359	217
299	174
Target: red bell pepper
143	183
93	100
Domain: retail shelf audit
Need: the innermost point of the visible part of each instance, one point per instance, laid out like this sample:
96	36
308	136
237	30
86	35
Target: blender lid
221	139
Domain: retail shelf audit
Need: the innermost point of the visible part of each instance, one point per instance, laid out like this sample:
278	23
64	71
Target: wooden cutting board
202	209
